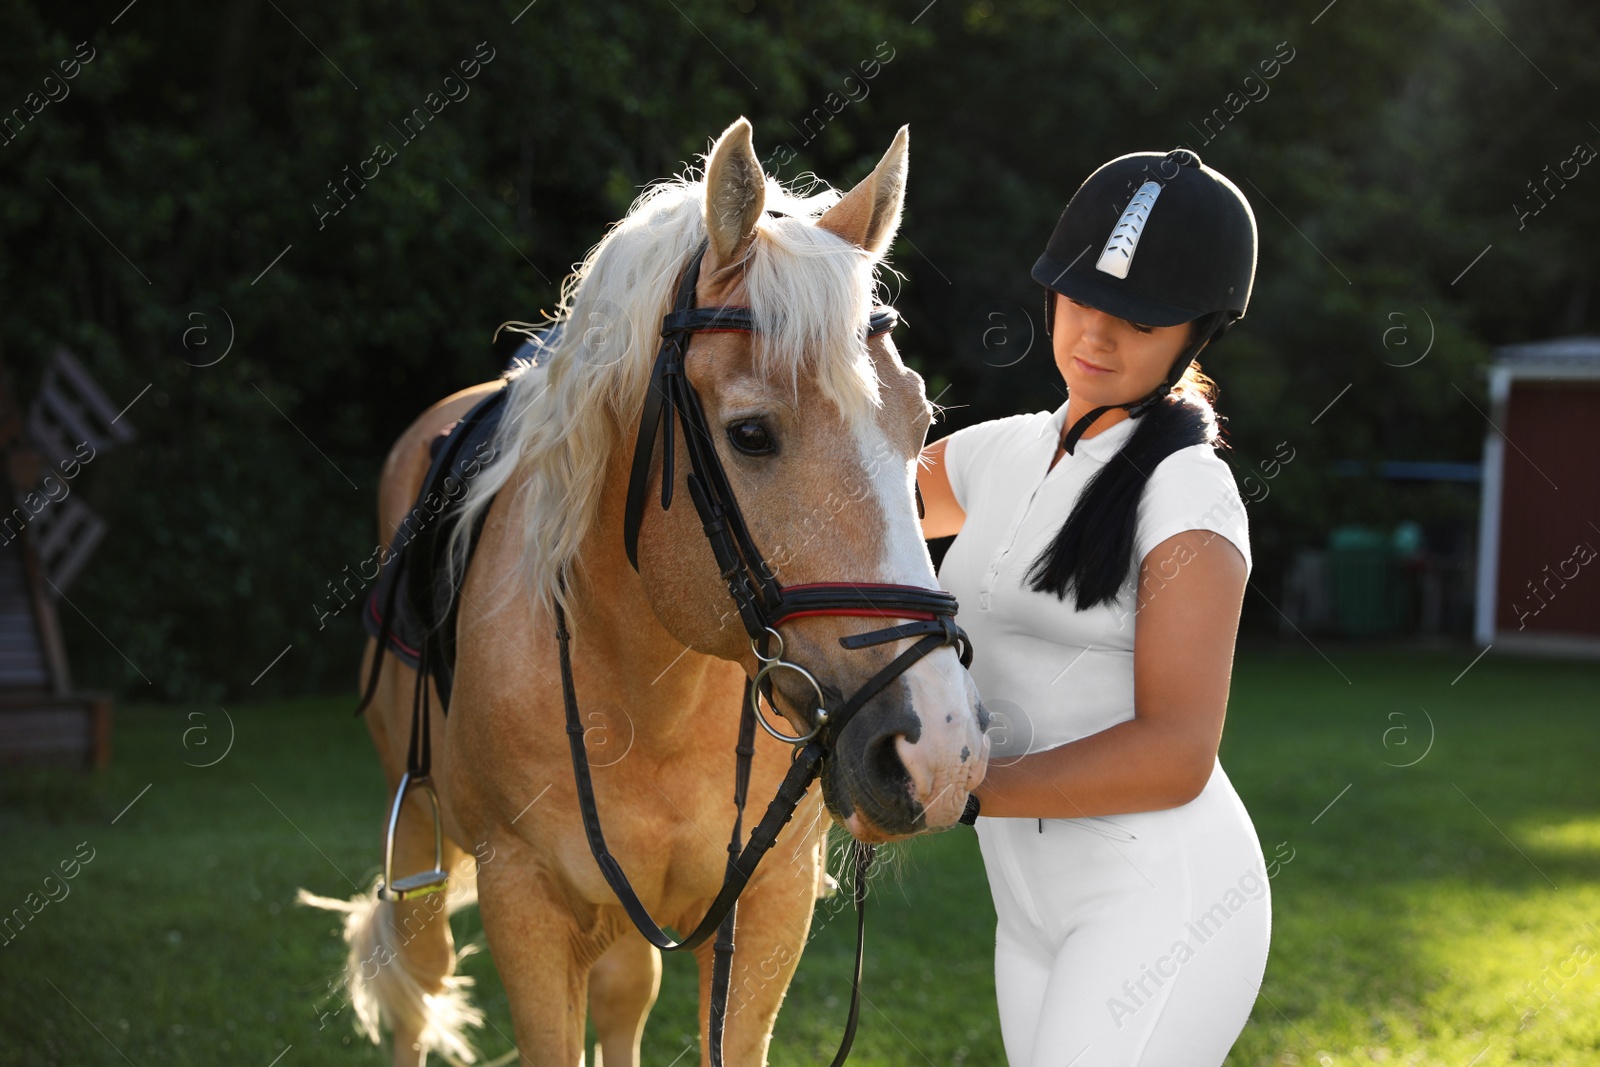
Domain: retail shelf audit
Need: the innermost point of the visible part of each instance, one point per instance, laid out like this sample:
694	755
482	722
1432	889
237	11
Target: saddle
412	608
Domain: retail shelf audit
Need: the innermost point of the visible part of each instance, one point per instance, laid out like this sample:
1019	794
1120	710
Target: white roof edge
1558	350
1550	371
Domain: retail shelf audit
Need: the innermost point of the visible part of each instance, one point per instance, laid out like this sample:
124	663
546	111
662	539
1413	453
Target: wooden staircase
22	662
43	721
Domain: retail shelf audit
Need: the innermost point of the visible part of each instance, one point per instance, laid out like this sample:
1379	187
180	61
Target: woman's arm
942	516
1191	588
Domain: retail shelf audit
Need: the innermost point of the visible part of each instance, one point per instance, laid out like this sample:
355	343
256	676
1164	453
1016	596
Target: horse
818	424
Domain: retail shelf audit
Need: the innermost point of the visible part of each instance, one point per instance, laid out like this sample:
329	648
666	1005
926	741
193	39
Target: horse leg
623	984
773	925
536	945
400	972
428	1008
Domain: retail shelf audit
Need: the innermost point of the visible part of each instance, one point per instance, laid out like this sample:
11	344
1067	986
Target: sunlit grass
1442	913
1576	837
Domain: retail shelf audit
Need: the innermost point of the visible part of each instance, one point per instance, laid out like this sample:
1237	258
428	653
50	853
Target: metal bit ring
755	700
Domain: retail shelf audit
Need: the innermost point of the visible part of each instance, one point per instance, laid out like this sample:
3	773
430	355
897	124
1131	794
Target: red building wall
1549	566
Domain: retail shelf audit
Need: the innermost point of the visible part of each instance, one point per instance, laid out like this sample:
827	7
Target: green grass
1410	924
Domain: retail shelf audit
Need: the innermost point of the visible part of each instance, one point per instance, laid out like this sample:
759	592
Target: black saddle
412	609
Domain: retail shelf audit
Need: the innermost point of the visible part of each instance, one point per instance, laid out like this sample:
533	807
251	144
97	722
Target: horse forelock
810	293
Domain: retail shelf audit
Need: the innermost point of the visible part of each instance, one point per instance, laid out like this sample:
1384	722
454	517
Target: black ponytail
1092	554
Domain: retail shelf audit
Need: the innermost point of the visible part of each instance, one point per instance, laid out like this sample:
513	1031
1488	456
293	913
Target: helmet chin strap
1211	327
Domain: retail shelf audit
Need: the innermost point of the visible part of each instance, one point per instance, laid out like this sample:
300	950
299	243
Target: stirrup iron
425	882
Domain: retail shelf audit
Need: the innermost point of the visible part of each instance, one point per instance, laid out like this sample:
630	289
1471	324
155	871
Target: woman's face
1107	360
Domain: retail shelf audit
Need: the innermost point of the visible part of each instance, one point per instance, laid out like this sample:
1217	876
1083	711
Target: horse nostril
884	765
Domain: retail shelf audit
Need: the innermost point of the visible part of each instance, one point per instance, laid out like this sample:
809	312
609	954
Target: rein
763	605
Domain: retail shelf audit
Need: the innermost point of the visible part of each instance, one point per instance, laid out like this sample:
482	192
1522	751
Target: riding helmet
1157	239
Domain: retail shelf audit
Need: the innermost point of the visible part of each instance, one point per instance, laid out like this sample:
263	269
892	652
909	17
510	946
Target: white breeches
1131	940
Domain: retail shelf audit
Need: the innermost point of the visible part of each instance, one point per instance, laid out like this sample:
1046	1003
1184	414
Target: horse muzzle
905	765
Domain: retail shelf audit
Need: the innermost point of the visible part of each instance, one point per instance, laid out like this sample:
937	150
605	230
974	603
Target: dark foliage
177	185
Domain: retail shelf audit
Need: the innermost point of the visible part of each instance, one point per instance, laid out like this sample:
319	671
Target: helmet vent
1117	256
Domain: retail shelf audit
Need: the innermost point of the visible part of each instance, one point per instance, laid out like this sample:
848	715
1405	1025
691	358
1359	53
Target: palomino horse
818	426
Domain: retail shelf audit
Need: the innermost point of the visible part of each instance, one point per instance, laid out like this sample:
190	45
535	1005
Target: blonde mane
809	290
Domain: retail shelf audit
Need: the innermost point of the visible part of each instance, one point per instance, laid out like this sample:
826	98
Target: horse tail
381	990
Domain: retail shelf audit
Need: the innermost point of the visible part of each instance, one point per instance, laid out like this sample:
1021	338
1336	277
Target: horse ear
736	194
869	214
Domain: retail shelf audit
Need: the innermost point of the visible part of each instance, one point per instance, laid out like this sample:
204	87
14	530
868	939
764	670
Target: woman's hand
942	516
1191	589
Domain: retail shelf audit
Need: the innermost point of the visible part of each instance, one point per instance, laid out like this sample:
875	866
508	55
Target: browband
737	318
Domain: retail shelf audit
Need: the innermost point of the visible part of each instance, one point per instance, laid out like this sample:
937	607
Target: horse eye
750	437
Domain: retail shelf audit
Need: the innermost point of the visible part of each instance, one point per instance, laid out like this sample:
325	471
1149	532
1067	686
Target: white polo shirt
1048	673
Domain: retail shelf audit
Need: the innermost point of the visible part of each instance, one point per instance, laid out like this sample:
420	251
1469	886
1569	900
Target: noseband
764	605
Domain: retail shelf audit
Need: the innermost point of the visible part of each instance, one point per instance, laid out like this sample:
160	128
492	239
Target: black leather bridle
763	605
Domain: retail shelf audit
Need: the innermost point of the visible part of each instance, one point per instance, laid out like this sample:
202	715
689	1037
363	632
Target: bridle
763	605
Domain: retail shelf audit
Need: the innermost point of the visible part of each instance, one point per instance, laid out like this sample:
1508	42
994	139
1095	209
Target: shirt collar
1101	447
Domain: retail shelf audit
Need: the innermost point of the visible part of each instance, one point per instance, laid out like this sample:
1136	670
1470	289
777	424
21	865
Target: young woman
1101	564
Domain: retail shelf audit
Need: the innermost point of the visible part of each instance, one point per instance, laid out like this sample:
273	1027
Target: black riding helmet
1159	240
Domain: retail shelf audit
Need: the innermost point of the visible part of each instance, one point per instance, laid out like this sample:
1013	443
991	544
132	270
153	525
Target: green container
1369	591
